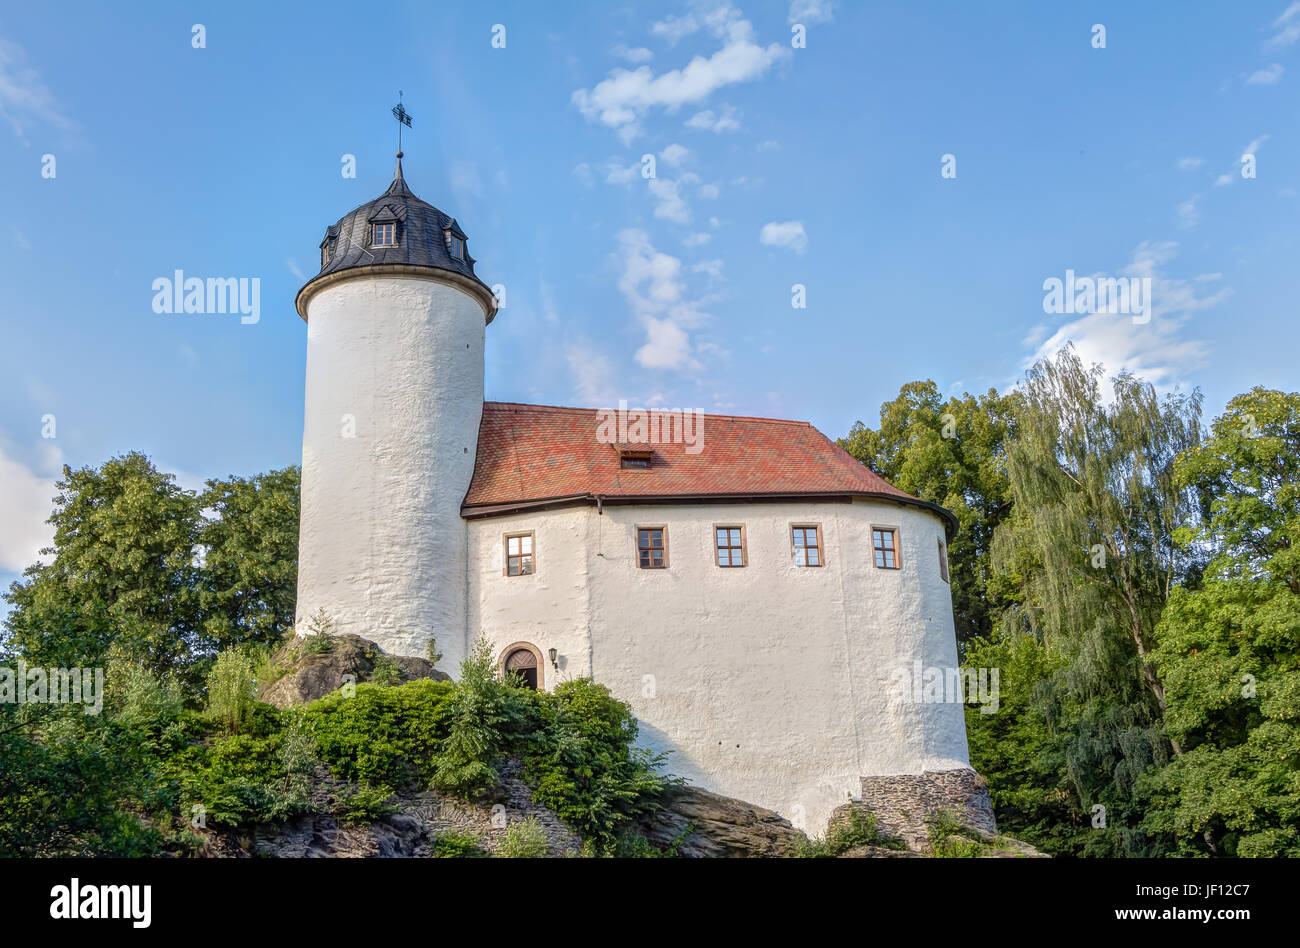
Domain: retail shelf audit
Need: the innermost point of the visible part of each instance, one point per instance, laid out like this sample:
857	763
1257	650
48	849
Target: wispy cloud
728	120
653	284
1228	177
1189	164
1287	26
25	99
620	100
1158	350
812	11
1267	76
637	54
788	234
1189	212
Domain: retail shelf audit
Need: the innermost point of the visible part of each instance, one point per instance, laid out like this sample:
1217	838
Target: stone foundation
903	804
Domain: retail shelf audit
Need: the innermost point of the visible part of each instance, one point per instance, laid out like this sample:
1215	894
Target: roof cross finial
403	118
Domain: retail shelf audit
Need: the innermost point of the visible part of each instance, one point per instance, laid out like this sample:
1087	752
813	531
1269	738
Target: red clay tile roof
533	453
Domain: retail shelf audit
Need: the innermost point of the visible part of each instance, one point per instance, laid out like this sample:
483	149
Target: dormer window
634	457
385	235
326	252
456	245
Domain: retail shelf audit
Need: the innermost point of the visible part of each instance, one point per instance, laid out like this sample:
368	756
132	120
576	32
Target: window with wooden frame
884	541
806	542
519	554
729	545
385	235
457	247
652	547
943	562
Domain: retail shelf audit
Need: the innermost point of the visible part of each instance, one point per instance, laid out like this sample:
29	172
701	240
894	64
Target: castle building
754	593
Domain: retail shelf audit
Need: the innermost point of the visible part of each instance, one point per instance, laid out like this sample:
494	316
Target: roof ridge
579	410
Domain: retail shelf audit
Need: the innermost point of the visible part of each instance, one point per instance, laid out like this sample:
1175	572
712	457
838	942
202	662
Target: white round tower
395	335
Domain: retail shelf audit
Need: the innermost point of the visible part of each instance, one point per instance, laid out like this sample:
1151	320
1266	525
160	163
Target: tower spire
403	118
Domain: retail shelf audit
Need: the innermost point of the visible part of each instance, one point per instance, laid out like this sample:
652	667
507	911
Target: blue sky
774	166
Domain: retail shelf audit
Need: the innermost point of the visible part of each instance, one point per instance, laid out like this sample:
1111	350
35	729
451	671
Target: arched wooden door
524	660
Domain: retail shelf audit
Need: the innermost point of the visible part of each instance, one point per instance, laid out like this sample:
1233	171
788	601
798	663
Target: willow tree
1090	557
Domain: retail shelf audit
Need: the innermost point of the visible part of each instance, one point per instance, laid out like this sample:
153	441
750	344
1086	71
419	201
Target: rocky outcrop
308	675
412	830
704	824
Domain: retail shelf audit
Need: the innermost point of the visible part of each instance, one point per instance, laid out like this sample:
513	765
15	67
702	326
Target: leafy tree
1090	553
122	572
1229	648
953	454
249	577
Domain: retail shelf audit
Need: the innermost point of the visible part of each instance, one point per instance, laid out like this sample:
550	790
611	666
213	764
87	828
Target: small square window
806	541
385	235
729	545
943	562
519	554
652	547
884	540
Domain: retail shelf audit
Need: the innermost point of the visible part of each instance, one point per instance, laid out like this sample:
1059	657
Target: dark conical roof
423	238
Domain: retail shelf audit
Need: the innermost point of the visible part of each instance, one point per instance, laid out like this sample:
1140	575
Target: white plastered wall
772	682
398	362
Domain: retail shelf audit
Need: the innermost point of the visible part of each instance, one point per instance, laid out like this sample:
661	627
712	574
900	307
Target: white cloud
675	28
617	174
674	154
670	205
638	54
25	505
619	100
1158	350
1189	212
24	97
1287	26
653	285
727	121
594	380
1190	164
811	11
696	240
784	234
583	173
709	192
296	270
1267	76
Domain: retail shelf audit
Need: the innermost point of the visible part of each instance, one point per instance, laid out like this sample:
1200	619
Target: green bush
386	672
856	828
365	804
524	839
232	688
454	844
388	736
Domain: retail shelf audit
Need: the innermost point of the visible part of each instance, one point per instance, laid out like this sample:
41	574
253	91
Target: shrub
319	637
855	828
387	736
386	672
454	844
365	804
475	736
524	839
232	686
584	765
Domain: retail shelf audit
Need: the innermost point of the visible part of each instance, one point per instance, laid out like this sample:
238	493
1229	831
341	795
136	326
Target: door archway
524	658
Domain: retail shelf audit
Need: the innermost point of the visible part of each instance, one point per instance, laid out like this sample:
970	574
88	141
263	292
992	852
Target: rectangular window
652	547
885	542
457	247
943	562
384	235
806	540
729	544
519	554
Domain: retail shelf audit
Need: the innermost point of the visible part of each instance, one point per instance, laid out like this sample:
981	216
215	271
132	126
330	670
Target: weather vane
403	118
